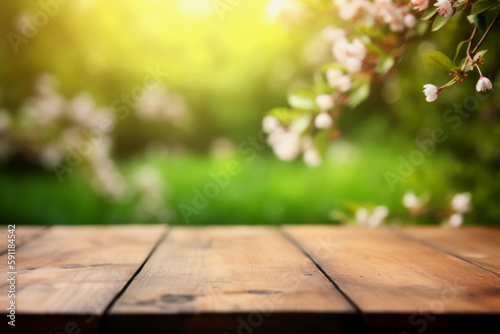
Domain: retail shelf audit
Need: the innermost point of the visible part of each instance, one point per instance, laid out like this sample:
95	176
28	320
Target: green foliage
480	22
440	22
360	94
441	59
284	115
459	47
267	191
302	98
482	6
429	13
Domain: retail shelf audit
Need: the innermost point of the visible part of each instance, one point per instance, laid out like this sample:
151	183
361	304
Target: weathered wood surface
479	245
226	273
24	234
71	274
400	284
241	279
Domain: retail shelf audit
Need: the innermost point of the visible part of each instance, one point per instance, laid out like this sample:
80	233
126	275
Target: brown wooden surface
232	271
390	277
479	245
294	279
24	234
71	274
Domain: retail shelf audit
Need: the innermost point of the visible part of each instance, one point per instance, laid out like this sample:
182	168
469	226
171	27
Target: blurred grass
266	191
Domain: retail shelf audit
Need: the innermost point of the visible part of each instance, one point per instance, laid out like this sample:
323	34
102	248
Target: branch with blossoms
367	41
418	208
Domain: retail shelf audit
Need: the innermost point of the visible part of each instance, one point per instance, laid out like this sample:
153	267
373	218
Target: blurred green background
219	73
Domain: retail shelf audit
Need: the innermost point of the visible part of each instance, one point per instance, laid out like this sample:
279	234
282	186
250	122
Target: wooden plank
229	279
67	278
479	245
402	285
23	233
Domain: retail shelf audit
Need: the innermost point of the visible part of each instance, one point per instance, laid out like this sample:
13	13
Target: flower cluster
418	207
367	40
63	134
157	104
287	143
365	218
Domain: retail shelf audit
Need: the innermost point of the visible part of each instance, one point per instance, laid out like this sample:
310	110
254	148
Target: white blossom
362	216
456	220
337	79
445	8
323	121
349	54
353	10
411	201
324	101
409	20
431	92
483	84
312	157
376	218
331	34
270	124
461	202
285	144
390	14
157	104
420	5
379	214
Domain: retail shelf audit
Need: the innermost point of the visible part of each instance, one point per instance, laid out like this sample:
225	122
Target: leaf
338	215
302	98
440	21
375	49
467	68
480	22
482	6
284	115
480	53
458	50
422	27
320	141
385	65
441	59
369	31
301	122
359	95
429	13
477	55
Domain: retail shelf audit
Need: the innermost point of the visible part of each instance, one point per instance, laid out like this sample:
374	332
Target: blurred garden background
150	111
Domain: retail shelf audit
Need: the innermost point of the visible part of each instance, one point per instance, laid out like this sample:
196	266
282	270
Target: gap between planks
397	282
210	279
476	245
69	275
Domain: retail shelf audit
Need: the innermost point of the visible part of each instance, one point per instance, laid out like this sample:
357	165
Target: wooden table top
251	279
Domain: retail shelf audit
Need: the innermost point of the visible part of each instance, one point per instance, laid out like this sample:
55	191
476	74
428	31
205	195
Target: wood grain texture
24	234
402	285
68	276
479	245
229	279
